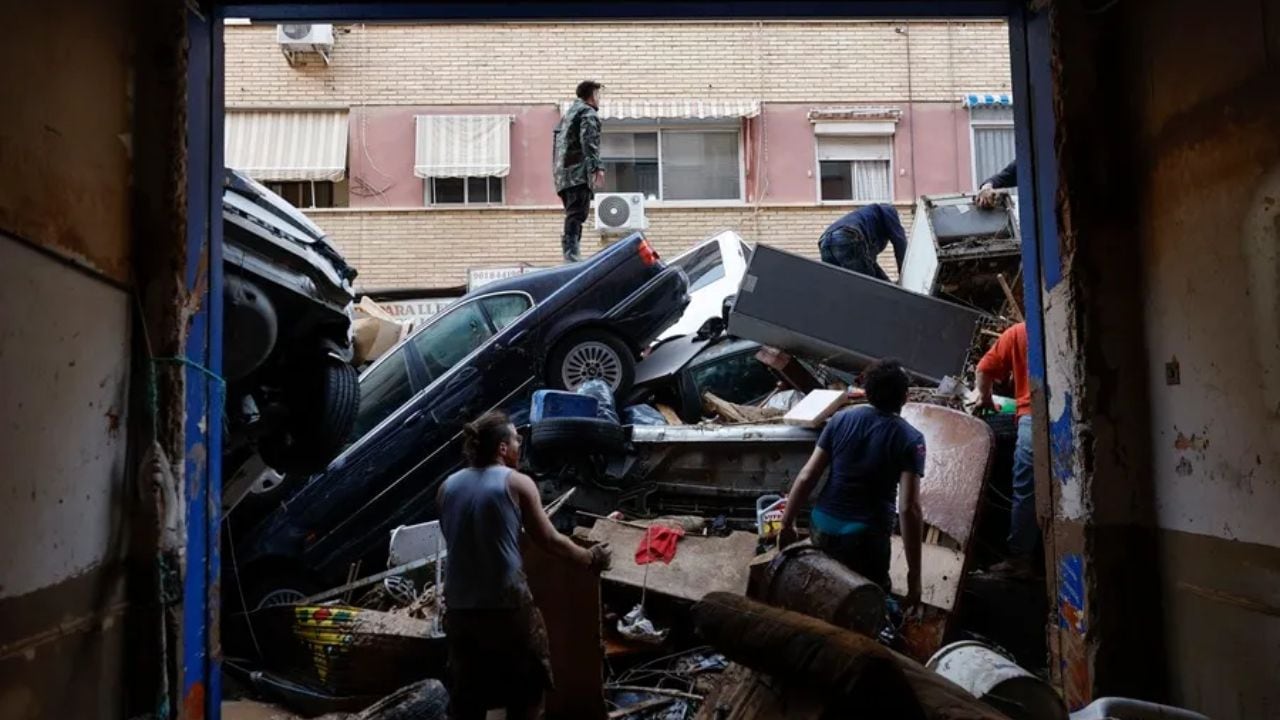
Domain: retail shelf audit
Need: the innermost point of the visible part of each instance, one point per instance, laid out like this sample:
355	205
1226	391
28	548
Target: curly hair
886	384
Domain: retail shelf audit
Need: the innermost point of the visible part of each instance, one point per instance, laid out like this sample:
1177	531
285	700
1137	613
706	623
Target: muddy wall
1165	475
65	358
1208	123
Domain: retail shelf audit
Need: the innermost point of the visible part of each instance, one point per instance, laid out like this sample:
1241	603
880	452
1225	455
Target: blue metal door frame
1030	49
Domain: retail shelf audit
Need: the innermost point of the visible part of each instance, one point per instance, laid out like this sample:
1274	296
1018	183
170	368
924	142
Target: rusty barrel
806	580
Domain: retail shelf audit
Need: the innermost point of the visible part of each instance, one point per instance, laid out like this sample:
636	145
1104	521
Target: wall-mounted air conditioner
620	213
297	38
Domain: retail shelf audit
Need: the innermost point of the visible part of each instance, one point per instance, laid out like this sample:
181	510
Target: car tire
323	402
576	436
424	700
589	353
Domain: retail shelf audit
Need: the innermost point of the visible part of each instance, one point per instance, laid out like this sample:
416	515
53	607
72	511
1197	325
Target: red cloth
658	543
1008	357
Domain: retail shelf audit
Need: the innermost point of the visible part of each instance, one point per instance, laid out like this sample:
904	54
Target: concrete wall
65	341
1210	233
1163	337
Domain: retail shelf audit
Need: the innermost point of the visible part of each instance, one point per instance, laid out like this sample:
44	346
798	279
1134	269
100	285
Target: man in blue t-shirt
876	460
855	240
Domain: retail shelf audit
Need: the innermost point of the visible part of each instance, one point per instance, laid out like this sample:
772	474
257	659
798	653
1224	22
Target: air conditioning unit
620	213
296	38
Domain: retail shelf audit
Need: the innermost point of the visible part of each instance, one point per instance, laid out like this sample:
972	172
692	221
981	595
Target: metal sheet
959	457
829	314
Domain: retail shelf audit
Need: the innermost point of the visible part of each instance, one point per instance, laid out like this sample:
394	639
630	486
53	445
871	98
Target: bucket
769	509
997	681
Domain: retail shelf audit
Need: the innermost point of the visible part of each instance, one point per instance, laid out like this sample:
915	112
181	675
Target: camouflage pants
577	203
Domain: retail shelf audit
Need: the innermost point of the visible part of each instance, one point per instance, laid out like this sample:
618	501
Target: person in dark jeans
576	164
854	241
1007	361
877	460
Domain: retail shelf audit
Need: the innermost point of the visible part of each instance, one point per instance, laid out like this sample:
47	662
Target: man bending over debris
876	458
854	241
498	654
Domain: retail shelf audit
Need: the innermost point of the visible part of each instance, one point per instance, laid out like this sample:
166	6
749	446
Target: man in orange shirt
1008	359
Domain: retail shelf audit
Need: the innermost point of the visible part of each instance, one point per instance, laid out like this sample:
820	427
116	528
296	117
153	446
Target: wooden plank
816	407
568	596
701	564
723	408
940	573
1009	298
670	414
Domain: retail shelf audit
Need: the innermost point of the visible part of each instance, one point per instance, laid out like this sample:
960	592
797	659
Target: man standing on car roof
854	241
877	460
576	164
498	653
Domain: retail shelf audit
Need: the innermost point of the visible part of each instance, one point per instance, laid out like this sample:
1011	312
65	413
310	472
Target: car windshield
736	377
703	265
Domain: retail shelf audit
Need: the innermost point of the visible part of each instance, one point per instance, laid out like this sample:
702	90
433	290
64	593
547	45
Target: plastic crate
561	403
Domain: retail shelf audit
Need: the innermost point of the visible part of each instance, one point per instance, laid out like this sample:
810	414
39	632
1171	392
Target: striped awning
451	146
975	99
288	144
674	109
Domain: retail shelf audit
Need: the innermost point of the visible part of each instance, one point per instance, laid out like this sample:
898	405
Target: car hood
247	199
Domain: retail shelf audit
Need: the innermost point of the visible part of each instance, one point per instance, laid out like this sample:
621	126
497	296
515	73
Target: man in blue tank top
498	653
876	460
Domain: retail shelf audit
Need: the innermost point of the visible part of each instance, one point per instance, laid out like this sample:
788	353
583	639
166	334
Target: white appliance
620	213
295	38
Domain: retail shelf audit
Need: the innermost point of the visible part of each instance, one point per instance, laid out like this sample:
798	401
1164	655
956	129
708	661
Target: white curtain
871	181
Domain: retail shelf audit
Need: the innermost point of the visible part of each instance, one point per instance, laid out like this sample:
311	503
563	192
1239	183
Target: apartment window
855	168
463	159
991	130
464	191
306	193
674	163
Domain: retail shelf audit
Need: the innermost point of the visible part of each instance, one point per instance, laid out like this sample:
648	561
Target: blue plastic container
561	403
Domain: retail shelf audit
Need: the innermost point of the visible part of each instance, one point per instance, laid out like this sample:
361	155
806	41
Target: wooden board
940	573
568	595
701	564
815	408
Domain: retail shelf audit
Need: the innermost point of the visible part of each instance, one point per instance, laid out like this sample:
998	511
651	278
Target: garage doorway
1032	129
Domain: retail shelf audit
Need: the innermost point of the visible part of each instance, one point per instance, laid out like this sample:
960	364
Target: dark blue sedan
490	349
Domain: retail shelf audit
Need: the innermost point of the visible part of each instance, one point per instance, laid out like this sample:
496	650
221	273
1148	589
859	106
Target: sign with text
414	310
478	277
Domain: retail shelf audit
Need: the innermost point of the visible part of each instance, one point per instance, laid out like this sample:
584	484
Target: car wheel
592	355
424	700
576	435
323	402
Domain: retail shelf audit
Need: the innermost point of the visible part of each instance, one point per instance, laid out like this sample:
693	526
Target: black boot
569	245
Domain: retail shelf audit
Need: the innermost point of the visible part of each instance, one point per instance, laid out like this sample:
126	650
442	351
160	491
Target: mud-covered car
490	349
292	394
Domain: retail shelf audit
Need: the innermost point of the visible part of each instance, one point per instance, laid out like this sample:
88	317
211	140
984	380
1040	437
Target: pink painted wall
381	151
779	151
936	133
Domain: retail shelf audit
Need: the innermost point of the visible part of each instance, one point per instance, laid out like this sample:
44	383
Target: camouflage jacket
577	147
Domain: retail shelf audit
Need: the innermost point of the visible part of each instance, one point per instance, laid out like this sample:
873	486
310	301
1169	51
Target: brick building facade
833	110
